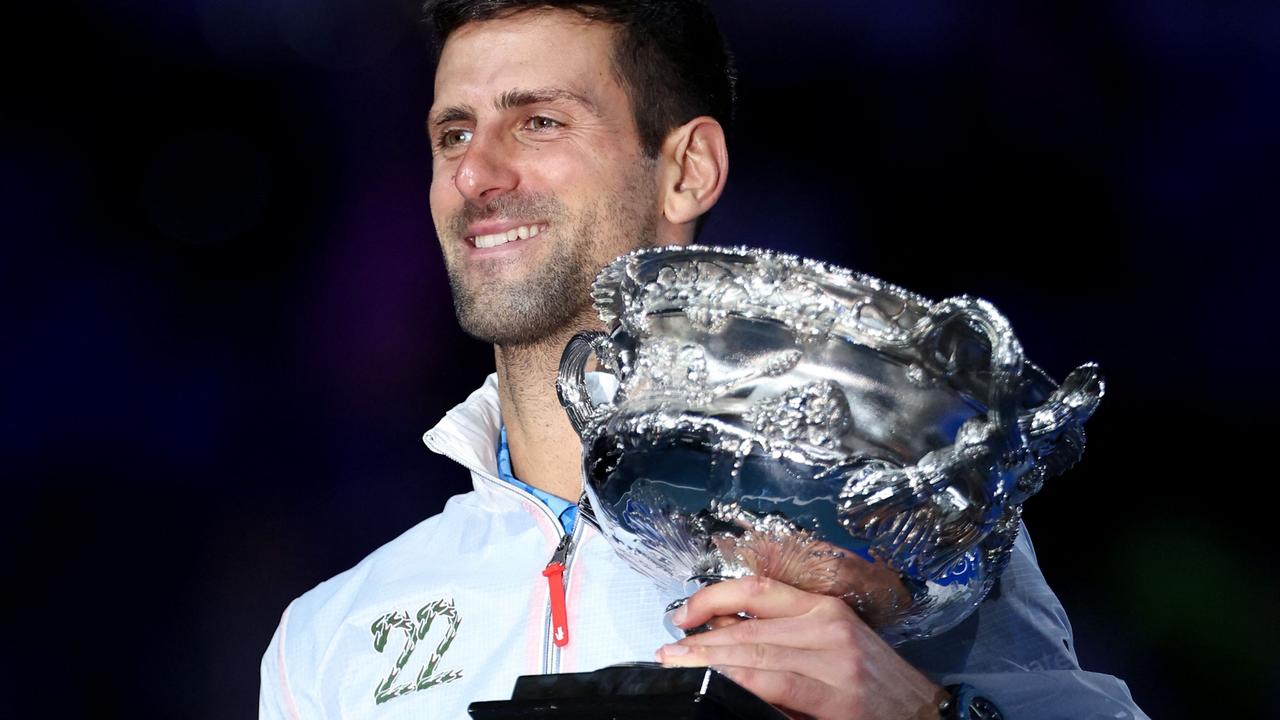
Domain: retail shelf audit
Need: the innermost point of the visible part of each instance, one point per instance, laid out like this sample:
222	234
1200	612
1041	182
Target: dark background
226	323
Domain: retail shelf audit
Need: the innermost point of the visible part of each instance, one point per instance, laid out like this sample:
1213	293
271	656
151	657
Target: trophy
782	417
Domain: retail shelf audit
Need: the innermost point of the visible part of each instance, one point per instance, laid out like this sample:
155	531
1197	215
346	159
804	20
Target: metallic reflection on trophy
781	417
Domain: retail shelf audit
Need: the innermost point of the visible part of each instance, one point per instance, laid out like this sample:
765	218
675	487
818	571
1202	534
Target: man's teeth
524	232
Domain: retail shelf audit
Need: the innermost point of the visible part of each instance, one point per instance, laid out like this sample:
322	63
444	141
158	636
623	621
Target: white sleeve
275	698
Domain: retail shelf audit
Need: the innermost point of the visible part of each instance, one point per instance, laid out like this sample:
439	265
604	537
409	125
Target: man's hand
805	653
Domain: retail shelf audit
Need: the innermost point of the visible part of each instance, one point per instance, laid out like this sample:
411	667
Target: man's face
538	179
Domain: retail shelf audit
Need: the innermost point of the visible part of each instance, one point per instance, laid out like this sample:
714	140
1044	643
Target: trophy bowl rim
608	289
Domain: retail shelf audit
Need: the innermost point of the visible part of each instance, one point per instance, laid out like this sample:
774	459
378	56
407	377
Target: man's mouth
523	232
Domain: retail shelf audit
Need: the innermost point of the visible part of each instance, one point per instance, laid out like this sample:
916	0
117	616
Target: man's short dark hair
668	54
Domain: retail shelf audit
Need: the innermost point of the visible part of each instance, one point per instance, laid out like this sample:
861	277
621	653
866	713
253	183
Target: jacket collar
468	434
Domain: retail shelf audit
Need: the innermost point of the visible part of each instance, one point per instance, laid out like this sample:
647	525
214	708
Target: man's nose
485	172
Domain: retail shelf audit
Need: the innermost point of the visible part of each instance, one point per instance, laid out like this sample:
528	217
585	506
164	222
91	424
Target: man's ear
695	163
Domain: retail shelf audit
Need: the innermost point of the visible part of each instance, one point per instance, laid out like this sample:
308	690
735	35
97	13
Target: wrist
964	703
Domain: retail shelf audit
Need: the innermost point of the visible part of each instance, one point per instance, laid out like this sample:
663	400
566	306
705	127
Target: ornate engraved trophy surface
782	417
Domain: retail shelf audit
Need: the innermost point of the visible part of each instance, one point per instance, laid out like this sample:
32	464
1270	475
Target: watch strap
964	703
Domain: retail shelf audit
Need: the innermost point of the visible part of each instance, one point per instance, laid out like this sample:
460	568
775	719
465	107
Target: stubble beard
553	299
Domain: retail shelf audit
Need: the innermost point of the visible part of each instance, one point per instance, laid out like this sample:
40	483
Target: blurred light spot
206	187
924	32
343	33
1192	594
241	31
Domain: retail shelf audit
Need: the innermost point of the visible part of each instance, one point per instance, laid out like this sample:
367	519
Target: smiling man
565	134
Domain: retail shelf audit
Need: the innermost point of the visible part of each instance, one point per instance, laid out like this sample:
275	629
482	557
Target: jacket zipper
561	557
556	571
569	543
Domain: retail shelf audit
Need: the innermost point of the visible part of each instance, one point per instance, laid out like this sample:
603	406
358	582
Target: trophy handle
905	512
571	380
1005	367
1055	429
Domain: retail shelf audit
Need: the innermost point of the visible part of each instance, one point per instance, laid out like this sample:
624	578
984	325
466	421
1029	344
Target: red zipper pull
554	573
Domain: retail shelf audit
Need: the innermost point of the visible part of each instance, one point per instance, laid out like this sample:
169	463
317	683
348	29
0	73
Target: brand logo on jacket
415	629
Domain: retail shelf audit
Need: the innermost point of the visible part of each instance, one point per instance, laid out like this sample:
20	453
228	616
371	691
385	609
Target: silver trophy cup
782	417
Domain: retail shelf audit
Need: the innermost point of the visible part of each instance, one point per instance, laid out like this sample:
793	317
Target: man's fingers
759	656
757	596
786	690
803	633
779	675
724	621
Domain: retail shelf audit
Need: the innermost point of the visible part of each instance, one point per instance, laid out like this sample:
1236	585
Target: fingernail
679	615
673	650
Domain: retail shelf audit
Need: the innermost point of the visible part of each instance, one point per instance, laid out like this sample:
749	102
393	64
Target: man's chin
506	335
510	324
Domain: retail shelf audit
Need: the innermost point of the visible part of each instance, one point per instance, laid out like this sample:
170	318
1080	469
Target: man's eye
538	122
453	138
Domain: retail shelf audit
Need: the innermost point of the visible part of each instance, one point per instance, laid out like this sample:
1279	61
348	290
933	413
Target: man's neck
545	451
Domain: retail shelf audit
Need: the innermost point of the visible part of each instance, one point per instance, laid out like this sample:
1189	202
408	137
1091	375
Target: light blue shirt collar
566	511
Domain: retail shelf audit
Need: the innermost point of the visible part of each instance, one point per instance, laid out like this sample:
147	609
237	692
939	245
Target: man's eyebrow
453	113
520	97
513	99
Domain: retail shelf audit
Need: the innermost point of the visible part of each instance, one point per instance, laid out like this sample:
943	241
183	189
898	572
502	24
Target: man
563	137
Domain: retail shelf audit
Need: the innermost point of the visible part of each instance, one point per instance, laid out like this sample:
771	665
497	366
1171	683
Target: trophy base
629	692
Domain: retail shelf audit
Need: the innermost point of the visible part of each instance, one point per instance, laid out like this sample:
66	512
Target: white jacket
474	571
453	610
